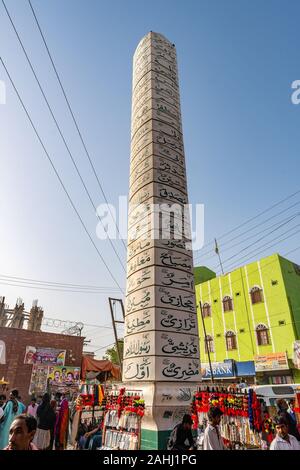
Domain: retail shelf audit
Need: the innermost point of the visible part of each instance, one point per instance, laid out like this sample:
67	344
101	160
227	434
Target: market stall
100	367
124	409
245	423
87	410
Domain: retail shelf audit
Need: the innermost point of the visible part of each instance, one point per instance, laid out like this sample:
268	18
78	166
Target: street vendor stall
124	409
89	405
87	411
100	367
245	423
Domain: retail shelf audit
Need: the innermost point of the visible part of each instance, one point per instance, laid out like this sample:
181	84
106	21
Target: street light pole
206	342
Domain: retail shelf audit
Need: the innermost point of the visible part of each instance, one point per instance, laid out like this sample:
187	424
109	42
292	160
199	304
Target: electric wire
61	133
73	118
255	252
56	289
206	257
262	238
56	284
251	219
243	276
57	174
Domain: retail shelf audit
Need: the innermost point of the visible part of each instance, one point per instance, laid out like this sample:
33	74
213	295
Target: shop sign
272	361
45	356
296	358
245	369
220	370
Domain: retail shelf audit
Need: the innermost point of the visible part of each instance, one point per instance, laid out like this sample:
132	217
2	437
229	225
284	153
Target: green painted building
251	316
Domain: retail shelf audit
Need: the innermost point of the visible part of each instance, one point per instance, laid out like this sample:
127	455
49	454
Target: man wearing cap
212	436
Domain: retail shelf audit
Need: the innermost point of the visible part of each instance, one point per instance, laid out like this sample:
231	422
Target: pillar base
165	405
154	440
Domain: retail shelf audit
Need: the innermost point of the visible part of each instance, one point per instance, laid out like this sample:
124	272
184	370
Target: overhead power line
56	289
262	238
251	219
60	132
57	175
203	256
59	284
255	270
74	119
255	252
105	347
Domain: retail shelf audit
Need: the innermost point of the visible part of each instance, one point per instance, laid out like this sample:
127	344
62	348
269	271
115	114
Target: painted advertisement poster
38	381
63	379
45	356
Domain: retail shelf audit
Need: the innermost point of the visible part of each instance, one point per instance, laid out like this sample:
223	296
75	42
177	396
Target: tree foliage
111	353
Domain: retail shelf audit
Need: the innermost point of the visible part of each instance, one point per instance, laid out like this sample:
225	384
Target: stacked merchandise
242	423
122	420
87	412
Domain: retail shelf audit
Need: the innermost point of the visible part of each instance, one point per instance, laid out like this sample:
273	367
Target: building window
230	340
209	344
262	334
227	304
256	295
206	310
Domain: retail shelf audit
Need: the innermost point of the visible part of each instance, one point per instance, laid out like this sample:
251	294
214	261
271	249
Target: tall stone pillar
161	345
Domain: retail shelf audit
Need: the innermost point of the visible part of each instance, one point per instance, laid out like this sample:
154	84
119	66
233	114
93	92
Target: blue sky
237	60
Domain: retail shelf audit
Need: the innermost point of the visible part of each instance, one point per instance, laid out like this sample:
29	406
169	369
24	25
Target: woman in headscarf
45	423
12	409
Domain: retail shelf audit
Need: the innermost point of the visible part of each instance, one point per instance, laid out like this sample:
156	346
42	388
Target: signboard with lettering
45	356
272	361
220	370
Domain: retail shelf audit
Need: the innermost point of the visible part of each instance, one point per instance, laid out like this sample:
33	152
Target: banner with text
45	356
272	361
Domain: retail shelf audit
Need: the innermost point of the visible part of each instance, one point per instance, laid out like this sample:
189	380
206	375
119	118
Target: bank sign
220	370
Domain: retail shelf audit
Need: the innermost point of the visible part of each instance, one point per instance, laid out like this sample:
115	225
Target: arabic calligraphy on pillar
161	333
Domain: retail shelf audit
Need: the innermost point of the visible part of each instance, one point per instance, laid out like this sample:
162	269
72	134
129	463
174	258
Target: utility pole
206	342
218	253
112	304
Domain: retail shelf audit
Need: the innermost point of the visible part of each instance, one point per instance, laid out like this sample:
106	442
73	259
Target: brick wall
15	371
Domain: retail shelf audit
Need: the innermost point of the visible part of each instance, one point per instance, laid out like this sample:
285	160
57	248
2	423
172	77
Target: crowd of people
42	425
285	422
